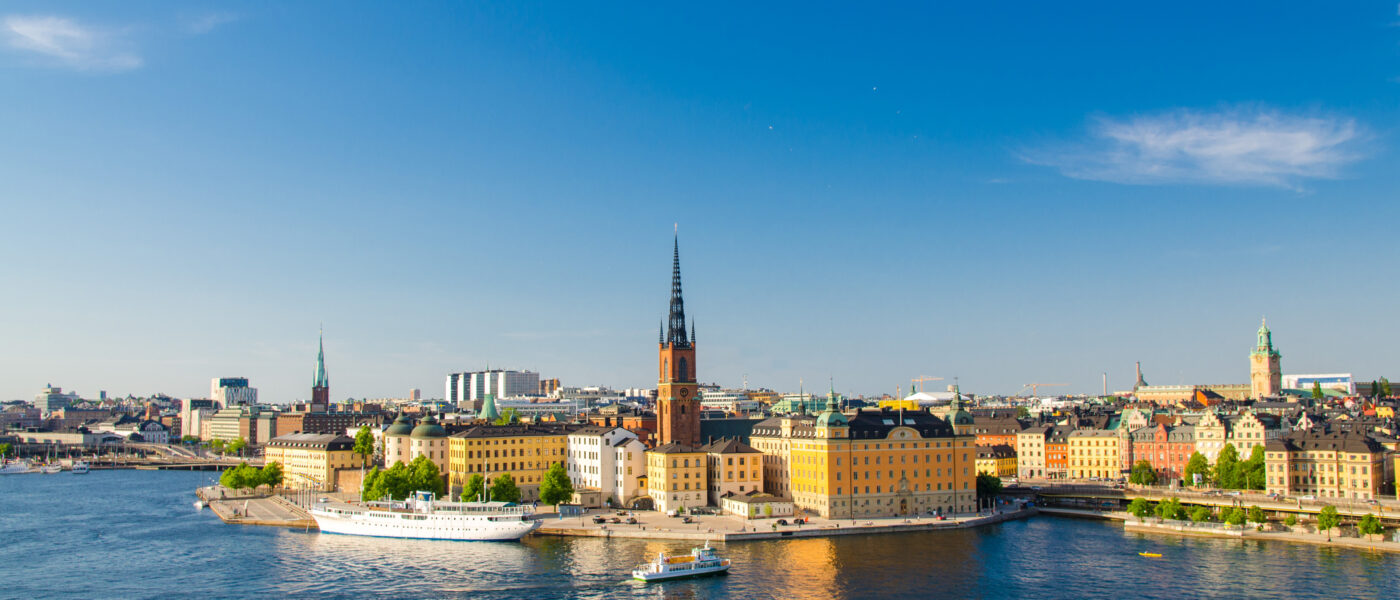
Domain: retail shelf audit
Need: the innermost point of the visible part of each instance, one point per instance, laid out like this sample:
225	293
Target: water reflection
133	534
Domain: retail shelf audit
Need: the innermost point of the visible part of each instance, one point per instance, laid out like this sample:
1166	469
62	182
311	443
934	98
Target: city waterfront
64	530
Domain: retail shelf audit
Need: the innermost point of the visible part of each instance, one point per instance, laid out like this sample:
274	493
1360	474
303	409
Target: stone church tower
1265	375
677	389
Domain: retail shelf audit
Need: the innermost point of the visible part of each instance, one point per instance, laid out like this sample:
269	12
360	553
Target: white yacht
700	562
421	516
16	467
80	468
51	469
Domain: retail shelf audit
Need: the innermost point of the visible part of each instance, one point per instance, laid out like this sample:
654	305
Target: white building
472	387
1341	382
609	460
232	391
53	399
731	401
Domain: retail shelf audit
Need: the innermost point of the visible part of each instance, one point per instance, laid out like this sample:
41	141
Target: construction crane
920	382
1035	387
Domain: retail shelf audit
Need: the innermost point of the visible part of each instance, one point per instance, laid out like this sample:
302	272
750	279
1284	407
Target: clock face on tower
685	392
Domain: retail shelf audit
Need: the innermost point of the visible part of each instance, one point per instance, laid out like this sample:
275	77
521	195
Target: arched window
681	371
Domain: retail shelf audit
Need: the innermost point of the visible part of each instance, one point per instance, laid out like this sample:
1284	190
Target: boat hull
434	527
654	577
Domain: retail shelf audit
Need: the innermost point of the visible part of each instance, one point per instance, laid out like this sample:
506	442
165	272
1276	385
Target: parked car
687	520
782	521
631	521
799	521
1307	497
600	520
614	520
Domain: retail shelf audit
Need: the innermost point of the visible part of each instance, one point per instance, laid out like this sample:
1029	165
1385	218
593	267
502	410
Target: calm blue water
134	534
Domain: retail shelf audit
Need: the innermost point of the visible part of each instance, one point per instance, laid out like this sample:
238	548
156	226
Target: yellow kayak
1150	554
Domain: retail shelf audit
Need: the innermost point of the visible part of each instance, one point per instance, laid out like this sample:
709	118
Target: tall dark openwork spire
675	334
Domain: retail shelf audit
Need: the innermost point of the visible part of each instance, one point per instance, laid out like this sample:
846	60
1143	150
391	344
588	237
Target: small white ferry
423	517
51	469
81	468
700	562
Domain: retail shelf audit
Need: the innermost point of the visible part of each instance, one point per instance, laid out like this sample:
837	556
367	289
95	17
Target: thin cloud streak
68	43
207	23
1233	147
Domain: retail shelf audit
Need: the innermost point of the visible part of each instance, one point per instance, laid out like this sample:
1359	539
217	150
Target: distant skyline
1005	194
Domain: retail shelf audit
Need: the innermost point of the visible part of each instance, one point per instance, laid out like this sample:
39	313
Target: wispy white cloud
203	24
67	43
1241	146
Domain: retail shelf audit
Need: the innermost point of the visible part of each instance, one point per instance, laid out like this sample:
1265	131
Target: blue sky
1001	194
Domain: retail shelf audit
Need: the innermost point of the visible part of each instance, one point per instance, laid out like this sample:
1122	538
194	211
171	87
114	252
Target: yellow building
997	461
874	463
1093	453
312	460
1325	465
676	476
733	468
523	451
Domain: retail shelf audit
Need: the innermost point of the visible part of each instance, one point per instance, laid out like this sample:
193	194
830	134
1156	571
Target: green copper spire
321	380
488	409
1265	345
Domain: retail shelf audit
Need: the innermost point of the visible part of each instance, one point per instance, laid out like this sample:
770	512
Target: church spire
321	380
676	335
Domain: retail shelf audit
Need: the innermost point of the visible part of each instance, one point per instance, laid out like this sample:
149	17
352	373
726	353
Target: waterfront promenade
727	528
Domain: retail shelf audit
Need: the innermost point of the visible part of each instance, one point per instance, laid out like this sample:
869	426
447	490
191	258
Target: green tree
217	446
1227	467
1290	520
236	446
507	417
1197	465
1143	473
367	486
1252	475
476	484
1317	391
1140	508
1328	519
556	486
988	486
1171	508
395	483
190	439
1385	387
1234	516
5	449
1023	412
1257	515
1200	515
364	443
272	474
1370	525
503	489
425	476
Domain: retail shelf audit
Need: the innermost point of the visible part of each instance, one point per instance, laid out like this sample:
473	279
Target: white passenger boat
16	467
700	562
51	469
421	516
80	468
